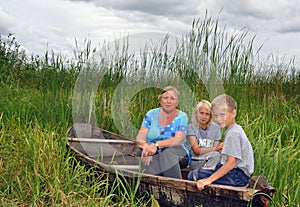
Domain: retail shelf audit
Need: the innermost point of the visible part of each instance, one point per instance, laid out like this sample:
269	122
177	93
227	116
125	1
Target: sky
55	25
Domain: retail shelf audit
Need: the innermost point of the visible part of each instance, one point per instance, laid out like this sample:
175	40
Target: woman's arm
172	141
148	149
141	137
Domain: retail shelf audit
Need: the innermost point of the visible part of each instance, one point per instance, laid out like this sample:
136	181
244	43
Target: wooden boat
112	153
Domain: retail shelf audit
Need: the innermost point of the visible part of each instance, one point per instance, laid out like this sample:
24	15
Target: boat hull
116	155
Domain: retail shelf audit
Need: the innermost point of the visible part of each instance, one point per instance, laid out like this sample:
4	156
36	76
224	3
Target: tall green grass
36	168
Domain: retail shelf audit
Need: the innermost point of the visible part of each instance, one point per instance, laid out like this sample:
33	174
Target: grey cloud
3	29
258	16
172	8
290	30
102	19
290	27
246	9
6	23
267	9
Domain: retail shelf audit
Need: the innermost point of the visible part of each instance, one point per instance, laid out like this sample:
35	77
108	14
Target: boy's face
223	117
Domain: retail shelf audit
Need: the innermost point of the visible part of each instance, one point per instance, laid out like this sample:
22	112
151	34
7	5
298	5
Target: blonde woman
204	138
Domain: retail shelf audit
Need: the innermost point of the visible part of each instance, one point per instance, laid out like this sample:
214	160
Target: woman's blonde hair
202	104
169	88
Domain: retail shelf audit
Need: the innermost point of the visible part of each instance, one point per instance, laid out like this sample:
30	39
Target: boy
237	159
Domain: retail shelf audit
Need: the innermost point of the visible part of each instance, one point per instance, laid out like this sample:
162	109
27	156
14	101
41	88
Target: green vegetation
36	168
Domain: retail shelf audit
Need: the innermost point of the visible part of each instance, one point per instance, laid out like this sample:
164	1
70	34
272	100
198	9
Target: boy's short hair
224	100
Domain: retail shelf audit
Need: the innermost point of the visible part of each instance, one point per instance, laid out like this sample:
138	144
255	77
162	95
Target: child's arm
227	166
200	150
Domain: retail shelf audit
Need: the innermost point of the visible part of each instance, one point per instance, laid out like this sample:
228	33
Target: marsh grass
36	168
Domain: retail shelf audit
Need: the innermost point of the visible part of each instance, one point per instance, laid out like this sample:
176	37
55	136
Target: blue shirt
156	132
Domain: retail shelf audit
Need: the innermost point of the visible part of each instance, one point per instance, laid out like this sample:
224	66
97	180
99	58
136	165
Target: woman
204	138
161	138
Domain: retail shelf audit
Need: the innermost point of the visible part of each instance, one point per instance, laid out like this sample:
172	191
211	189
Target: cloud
55	24
172	8
258	16
6	22
289	25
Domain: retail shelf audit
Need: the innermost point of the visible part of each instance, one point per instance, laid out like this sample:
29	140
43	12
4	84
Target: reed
37	98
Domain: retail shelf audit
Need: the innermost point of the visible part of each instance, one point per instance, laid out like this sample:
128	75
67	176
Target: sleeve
147	120
217	130
191	130
183	126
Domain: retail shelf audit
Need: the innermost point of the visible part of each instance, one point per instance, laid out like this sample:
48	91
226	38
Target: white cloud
38	24
5	22
153	7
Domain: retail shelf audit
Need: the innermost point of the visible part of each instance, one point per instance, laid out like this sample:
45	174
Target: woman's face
204	116
169	101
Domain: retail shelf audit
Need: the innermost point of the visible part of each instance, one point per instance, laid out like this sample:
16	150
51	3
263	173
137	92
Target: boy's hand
202	183
219	147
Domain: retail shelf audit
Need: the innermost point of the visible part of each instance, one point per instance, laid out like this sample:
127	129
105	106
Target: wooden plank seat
95	140
126	167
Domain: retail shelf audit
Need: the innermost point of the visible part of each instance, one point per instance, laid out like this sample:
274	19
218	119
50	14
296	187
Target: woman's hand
148	151
146	160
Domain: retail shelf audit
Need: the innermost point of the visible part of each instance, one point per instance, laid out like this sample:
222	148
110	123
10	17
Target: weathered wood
126	167
116	154
82	130
110	141
260	182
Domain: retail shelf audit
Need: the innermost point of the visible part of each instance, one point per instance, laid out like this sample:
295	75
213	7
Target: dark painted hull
116	154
